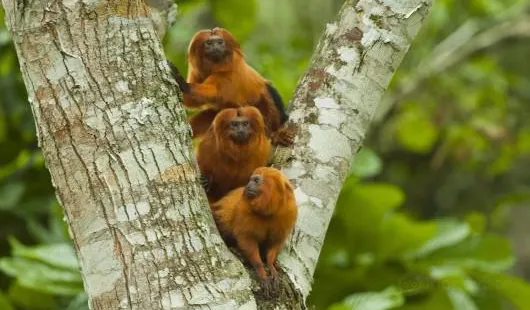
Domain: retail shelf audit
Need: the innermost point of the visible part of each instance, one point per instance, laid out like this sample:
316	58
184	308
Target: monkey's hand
206	182
285	135
181	81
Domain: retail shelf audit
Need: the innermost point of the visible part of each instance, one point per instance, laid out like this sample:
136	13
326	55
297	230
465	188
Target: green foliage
385	300
366	164
225	10
5	303
46	277
415	131
425	264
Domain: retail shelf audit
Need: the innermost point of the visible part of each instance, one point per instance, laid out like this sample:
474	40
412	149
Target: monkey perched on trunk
231	149
259	217
219	78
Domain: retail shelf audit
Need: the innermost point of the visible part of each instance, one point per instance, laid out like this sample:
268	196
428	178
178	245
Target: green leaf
80	302
370	197
437	300
5	37
477	222
28	298
361	208
10	195
237	16
523	141
58	255
454	277
450	232
400	234
513	289
461	300
488	252
387	299
41	277
5	304
416	132
366	164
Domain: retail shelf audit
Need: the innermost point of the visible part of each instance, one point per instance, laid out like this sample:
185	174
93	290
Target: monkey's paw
206	183
271	287
285	135
181	81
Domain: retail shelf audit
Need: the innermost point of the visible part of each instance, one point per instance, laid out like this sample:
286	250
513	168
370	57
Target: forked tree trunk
116	142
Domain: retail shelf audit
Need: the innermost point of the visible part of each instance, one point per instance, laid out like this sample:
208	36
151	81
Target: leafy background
434	212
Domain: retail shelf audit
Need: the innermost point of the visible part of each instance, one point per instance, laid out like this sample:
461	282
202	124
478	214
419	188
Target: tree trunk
116	142
118	149
334	105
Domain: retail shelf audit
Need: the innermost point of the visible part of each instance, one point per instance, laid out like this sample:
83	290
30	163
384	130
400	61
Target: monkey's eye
256	178
234	124
245	123
208	42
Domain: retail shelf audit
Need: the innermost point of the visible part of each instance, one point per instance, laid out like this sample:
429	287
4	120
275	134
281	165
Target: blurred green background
434	212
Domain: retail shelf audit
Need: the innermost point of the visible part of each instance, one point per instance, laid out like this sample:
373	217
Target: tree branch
334	104
118	148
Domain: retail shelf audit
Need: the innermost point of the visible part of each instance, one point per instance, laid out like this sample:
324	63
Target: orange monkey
259	217
231	149
219	78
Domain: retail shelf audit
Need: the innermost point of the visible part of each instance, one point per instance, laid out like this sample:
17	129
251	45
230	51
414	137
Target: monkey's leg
250	249
271	285
272	254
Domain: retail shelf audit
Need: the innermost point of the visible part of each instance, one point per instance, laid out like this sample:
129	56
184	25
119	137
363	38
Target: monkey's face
213	44
253	188
268	186
239	125
215	48
240	129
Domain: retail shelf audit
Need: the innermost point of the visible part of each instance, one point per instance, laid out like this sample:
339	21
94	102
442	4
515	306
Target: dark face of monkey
252	189
240	129
215	48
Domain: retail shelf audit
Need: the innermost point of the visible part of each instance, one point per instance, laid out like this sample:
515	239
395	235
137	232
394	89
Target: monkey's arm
200	122
278	102
195	94
273	111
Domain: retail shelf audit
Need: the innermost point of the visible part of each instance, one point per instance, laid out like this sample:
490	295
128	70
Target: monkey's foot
285	135
271	287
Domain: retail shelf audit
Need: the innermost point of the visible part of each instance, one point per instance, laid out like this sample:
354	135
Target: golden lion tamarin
219	78
259	217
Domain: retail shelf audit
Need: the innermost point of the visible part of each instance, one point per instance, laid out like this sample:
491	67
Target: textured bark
163	13
334	105
118	148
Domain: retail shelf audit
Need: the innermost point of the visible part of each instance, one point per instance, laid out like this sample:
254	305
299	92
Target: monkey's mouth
240	137
216	54
251	191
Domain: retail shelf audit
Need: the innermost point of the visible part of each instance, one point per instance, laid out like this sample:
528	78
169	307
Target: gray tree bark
116	142
334	105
